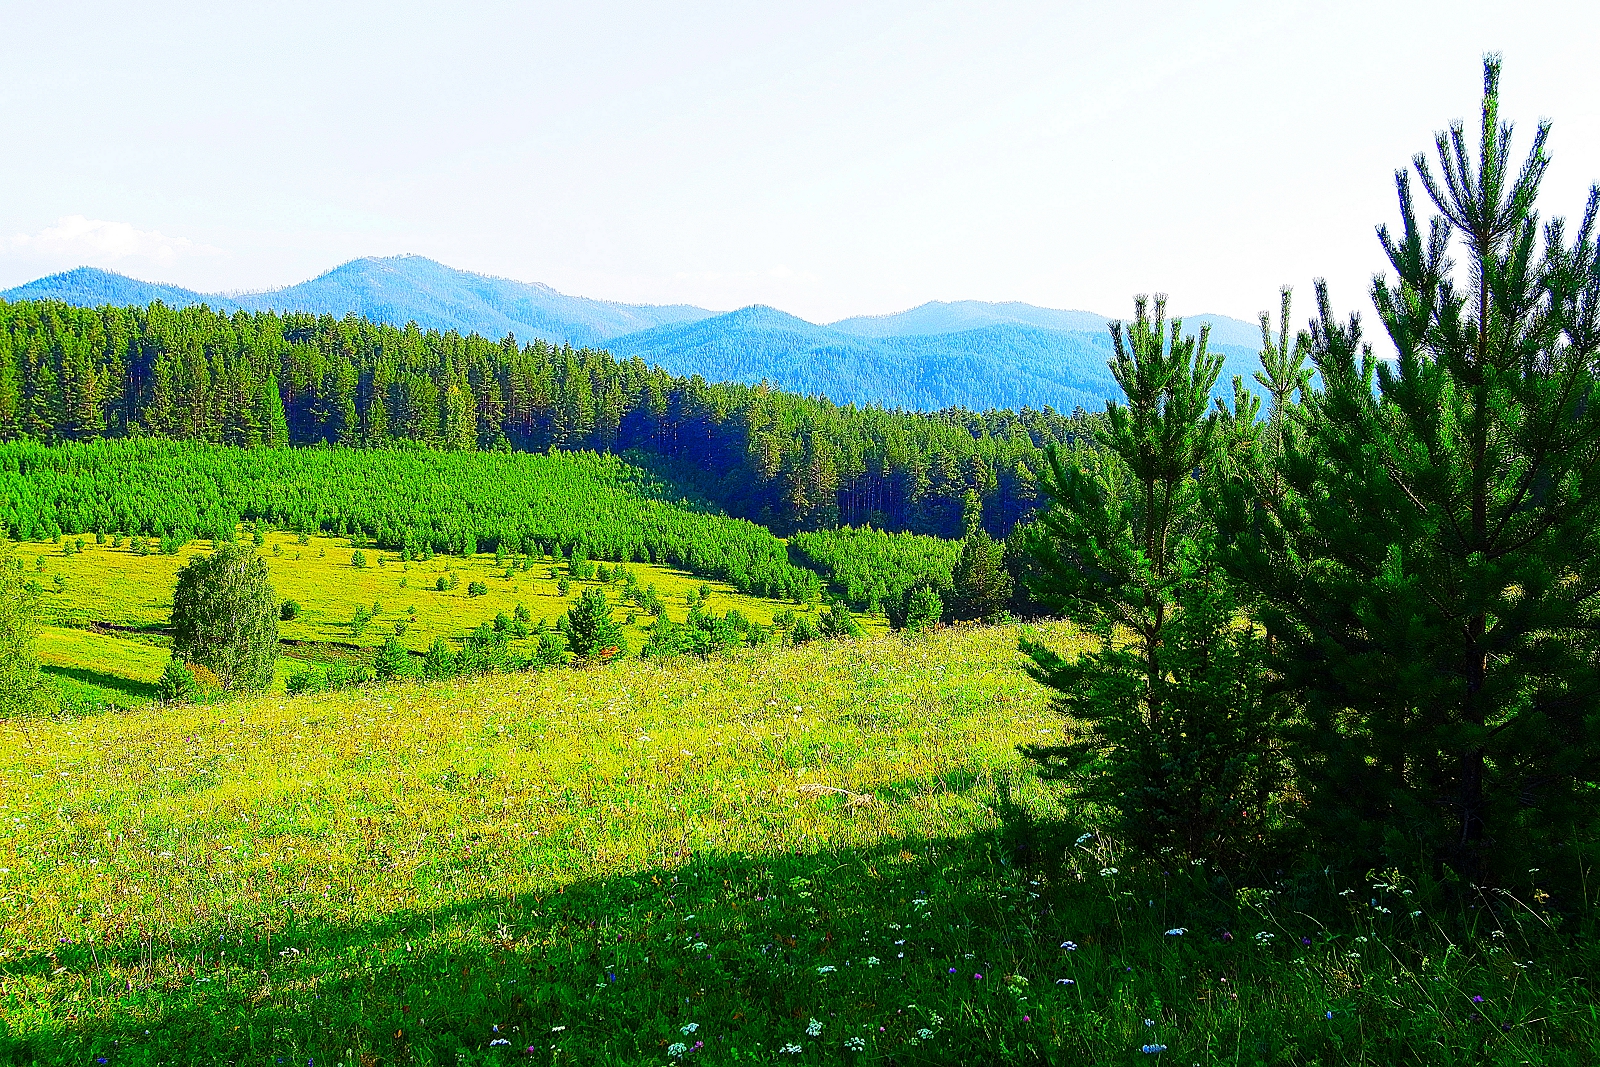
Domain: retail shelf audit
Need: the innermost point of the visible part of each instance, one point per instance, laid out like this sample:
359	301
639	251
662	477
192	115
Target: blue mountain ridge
941	354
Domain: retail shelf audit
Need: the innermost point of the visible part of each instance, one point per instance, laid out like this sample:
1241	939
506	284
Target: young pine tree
590	630
1170	730
1430	573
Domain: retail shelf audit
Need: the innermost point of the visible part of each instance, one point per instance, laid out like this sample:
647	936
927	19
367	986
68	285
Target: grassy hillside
112	604
792	856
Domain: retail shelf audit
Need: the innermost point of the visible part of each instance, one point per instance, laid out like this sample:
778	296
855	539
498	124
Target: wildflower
1177	931
855	1044
978	977
688	1028
1107	872
498	1041
677	1049
1305	941
1065	981
1477	999
952	970
1262	937
1026	1019
924	1034
1070	946
1416	914
1151	1050
1227	935
791	1049
700	946
873	961
1149	1022
1084	838
557	1029
1327	1015
813	1028
828	968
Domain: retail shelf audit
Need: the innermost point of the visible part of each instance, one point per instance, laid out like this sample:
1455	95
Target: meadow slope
817	854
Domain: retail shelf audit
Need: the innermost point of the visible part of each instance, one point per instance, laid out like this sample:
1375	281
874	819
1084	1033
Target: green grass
597	865
130	596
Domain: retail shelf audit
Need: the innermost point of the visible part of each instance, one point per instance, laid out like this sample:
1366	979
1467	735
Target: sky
829	159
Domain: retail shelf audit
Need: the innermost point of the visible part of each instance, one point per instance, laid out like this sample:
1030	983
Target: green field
106	647
793	855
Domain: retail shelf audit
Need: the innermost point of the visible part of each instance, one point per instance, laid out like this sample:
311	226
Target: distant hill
395	290
964	353
985	356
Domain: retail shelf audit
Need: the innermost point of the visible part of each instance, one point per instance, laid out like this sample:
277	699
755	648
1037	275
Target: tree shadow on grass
913	951
137	692
736	952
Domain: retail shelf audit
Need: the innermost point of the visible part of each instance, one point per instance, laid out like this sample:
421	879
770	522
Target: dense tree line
416	501
255	379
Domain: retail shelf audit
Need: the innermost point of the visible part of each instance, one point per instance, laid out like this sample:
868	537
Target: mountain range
941	354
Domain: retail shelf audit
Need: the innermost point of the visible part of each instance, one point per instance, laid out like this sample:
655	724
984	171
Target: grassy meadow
111	605
824	854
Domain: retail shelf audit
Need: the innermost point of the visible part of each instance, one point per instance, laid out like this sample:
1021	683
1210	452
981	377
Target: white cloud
97	241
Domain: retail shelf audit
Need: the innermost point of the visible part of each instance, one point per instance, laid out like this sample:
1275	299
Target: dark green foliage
437	663
923	609
836	621
802	630
552	650
477	589
1170	731
590	630
980	585
225	617
264	379
177	682
289	611
391	661
358	559
1429	558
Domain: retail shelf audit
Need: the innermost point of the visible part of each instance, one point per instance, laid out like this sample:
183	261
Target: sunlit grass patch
810	848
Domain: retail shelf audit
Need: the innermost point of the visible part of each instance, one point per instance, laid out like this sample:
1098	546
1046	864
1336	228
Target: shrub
289	611
177	682
225	617
477	589
358	559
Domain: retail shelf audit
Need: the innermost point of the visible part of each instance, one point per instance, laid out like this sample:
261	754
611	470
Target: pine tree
1171	732
270	414
980	583
1430	574
590	630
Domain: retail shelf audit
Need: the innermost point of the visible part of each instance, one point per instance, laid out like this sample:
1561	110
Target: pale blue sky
830	159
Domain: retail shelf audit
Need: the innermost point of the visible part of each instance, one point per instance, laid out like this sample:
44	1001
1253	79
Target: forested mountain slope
967	354
248	379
